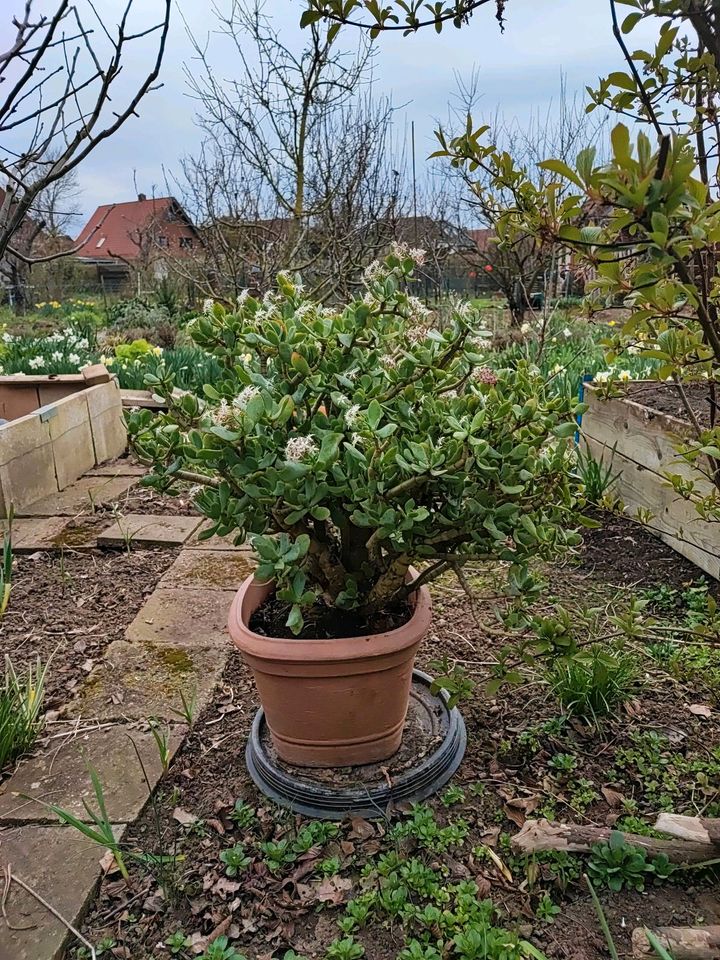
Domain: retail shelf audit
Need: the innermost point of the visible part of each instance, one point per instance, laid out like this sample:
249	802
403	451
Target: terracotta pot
331	703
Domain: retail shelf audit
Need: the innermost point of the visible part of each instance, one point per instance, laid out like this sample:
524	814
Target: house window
162	241
186	243
100	242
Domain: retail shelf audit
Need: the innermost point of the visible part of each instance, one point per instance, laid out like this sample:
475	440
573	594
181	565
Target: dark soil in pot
326	623
665	398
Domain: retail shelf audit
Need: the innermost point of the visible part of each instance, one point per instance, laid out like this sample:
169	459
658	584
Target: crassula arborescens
351	443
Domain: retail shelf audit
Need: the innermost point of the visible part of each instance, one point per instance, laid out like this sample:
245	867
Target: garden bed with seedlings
604	736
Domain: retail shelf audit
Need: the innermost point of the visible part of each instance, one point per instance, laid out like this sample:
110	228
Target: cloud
519	72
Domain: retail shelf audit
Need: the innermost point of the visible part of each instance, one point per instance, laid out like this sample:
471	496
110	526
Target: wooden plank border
642	443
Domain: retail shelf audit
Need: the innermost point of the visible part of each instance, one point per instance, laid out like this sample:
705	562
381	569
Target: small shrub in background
21	701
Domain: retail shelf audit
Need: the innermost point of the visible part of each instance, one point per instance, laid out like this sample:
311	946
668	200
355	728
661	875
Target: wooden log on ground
697	829
538	835
682	943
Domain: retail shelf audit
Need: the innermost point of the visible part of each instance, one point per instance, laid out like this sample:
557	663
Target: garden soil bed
665	398
146	500
507	776
67	608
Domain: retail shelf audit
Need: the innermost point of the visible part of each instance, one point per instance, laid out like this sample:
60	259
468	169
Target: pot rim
363	647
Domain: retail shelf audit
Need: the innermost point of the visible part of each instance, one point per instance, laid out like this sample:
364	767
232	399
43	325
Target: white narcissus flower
298	448
57	356
567	333
603	376
558	368
73	358
525	327
36	362
624	375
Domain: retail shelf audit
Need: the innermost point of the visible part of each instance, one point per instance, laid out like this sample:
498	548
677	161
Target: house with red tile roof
140	235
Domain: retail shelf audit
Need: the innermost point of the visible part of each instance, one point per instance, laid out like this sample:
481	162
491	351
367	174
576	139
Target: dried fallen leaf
633	708
613	798
333	889
224	887
360	829
184	817
519	808
700	710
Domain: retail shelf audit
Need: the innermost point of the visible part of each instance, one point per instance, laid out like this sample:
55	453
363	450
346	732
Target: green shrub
356	441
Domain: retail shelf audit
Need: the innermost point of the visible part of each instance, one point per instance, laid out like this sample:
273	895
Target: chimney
142	196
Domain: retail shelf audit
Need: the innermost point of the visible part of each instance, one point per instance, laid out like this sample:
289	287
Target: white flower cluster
417	334
298	448
244	397
221	413
352	415
69	338
414	253
373	271
418	309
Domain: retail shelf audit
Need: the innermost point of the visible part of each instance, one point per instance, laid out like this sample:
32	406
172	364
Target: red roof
481	236
124	231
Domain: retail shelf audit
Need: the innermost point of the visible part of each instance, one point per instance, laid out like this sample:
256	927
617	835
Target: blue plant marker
586	378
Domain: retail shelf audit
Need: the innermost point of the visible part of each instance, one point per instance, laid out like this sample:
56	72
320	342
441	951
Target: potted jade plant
363	450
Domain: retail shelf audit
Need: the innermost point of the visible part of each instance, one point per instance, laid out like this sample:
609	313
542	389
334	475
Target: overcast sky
519	72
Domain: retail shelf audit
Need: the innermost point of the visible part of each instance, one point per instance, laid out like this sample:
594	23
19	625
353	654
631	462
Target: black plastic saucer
433	747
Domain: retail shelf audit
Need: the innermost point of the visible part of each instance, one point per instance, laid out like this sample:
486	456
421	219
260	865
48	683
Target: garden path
171	657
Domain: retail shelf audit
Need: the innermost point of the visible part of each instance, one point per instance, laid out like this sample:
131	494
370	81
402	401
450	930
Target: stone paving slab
136	681
146	530
210	569
214	543
60	775
35	533
64	868
118	468
183	619
79	497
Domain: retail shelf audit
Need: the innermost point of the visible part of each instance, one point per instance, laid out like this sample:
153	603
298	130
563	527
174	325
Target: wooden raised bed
642	444
53	429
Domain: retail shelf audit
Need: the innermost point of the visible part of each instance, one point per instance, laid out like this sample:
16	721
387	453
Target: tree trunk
538	835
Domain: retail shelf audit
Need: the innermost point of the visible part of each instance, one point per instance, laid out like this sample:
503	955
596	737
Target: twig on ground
58	916
7	876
